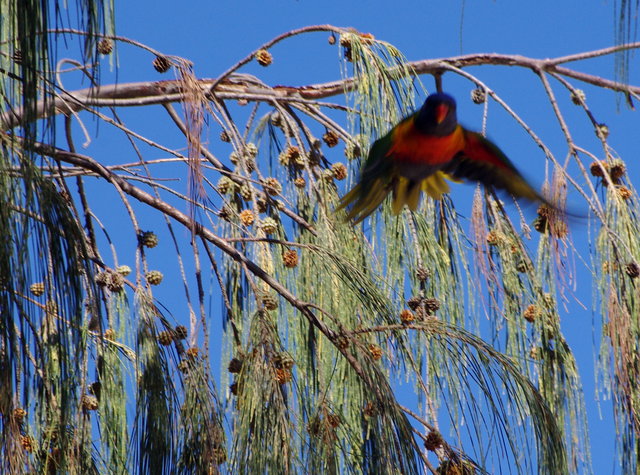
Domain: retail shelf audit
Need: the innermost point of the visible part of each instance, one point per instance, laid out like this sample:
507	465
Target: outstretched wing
375	182
481	160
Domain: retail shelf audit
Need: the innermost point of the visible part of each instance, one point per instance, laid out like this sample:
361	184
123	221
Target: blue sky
216	34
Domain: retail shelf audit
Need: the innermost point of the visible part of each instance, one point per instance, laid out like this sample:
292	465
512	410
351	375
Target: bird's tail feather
435	185
364	202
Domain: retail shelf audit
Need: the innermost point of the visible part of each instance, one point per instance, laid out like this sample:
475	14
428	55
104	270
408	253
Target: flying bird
420	152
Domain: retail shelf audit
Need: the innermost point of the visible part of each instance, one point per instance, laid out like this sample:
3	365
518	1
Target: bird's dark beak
441	112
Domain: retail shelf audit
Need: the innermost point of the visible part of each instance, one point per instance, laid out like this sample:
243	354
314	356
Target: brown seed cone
123	270
235	365
224	136
251	150
291	153
283	360
234	157
19	414
494	238
339	171
180	332
165	338
290	258
283	375
105	46
431	305
269	225
148	239
331	138
624	192
596	168
544	211
161	64
300	182
264	58
414	302
246	191
478	96
272	186
102	279
37	289
422	273
632	269
451	467
226	185
270	302
433	441
314	426
89	402
27	443
375	351
115	282
530	313
247	217
407	316
154	277
617	169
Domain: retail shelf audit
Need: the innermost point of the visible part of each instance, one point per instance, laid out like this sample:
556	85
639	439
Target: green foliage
156	402
616	260
321	342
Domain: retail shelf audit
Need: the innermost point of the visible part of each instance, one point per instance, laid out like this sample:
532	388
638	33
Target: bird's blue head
438	115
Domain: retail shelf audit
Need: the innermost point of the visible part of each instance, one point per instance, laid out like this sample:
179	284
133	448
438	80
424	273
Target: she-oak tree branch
235	87
144	197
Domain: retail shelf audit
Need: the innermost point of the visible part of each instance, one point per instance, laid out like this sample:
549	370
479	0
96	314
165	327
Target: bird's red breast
409	145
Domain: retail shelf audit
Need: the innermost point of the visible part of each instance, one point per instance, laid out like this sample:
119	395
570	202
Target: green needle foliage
616	261
155	405
428	342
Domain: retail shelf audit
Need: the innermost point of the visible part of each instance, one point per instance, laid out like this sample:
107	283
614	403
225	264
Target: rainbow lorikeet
420	152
